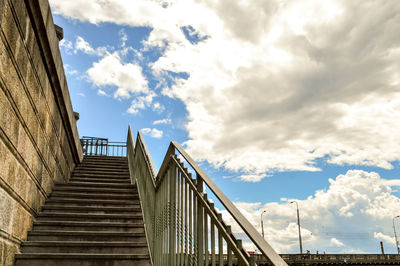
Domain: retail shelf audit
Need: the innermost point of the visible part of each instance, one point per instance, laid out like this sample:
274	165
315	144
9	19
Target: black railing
102	147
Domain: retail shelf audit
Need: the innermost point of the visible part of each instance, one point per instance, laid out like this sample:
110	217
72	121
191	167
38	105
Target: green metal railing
182	225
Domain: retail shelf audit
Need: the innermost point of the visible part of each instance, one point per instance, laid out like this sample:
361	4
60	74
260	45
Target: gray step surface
104	176
63	225
96	189
96	202
90	217
58	235
76	259
92	209
97	247
81	195
94	181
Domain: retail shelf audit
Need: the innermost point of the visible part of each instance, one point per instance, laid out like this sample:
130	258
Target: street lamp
298	223
395	235
262	223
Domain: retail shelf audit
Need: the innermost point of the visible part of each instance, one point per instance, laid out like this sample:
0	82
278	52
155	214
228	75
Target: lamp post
262	224
395	235
298	223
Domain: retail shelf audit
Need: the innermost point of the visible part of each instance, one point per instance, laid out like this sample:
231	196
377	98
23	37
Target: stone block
9	253
6	205
22	16
9	27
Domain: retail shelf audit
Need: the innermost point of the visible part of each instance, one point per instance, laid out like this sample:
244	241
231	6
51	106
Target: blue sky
277	100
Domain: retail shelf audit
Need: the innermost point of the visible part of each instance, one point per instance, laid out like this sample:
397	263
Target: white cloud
158	107
101	92
365	195
288	82
81	94
153	132
252	177
162	121
124	37
386	238
85	47
112	71
66	45
336	242
141	102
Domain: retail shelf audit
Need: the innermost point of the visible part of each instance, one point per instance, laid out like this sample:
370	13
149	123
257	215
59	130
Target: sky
277	100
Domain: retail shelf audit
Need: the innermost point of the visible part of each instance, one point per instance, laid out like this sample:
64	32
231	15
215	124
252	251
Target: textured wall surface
39	142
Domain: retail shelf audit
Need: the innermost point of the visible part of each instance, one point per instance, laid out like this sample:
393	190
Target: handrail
178	216
257	239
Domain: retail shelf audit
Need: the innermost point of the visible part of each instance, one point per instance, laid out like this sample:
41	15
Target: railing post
172	213
200	220
252	261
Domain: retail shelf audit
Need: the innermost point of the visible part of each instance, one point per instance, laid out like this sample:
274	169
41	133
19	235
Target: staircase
95	219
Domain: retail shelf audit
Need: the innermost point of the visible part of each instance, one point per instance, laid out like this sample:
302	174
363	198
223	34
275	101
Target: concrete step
136	227
74	259
92	202
82	195
111	158
113	171
91	209
85	247
104	236
102	161
92	188
89	217
100	175
106	167
108	181
101	169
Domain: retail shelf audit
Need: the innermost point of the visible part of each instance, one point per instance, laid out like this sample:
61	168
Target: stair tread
93	201
121	190
100	215
94	208
106	182
84	233
83	243
80	223
80	255
93	195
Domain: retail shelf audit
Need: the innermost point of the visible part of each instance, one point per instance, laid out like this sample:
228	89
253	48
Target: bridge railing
102	147
182	225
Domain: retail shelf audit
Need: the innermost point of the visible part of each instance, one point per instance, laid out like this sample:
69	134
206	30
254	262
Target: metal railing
182	225
102	147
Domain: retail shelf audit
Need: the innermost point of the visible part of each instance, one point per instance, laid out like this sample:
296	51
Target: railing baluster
186	224
191	262
172	225
212	244
229	255
206	258
178	219
181	219
200	219
166	220
220	249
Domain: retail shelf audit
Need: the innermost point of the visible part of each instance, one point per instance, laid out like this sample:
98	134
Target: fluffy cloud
112	71
162	121
85	47
288	82
362	201
153	132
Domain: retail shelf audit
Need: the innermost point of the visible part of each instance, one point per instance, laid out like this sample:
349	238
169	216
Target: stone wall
39	142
